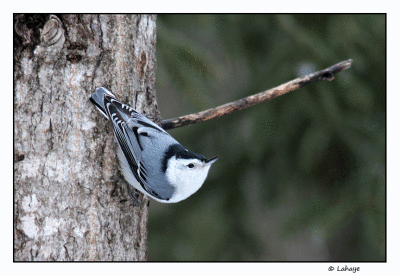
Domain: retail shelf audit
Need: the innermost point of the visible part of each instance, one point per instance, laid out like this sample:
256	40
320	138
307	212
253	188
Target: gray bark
69	202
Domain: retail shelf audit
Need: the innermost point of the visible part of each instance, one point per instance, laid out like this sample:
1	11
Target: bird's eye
190	165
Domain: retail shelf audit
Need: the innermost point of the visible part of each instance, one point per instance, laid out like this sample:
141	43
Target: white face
187	176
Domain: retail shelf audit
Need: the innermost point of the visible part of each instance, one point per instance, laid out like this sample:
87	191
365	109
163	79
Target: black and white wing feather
131	129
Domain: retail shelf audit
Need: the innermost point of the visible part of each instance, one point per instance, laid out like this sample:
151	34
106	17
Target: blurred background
300	177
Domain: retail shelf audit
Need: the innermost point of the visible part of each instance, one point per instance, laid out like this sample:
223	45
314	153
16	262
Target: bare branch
326	74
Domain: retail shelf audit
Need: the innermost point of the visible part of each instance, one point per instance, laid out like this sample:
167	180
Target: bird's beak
212	160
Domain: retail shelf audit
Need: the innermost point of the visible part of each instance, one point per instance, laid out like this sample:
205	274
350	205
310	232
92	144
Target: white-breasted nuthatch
151	160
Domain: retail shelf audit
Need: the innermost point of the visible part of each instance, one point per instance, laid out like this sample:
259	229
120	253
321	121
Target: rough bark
68	203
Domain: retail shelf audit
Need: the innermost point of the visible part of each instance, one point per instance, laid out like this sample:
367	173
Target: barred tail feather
97	99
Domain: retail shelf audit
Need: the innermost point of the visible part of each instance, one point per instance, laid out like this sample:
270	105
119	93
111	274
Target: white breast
186	181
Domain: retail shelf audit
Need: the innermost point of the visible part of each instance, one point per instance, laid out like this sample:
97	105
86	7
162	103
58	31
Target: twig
326	74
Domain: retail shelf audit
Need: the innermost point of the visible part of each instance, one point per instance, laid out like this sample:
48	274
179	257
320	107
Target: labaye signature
345	268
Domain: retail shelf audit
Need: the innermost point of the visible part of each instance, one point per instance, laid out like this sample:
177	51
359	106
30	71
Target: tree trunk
69	202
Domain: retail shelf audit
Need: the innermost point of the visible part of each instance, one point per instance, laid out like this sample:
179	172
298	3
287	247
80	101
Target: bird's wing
131	129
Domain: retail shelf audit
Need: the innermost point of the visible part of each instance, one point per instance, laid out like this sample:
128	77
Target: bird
150	159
